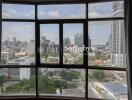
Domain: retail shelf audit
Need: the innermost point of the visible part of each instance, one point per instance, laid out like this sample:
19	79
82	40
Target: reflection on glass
17	81
62	82
17	11
107	44
73	44
49	43
18	43
68	11
107	84
107	9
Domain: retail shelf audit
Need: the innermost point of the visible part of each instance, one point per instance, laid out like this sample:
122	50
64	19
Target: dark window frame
61	22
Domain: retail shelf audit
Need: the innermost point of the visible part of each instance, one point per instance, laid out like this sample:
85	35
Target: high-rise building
117	37
31	47
78	39
89	42
25	73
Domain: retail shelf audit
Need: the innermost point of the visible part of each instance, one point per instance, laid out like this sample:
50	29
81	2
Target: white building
118	37
31	47
5	55
25	73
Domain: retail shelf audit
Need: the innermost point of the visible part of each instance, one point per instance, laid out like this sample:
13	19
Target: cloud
22	31
10	12
76	16
6	15
50	14
41	13
53	14
52	35
96	14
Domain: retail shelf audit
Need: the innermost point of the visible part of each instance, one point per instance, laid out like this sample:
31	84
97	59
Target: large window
18	11
62	82
49	43
61	11
18	43
68	49
107	43
107	9
72	39
17	81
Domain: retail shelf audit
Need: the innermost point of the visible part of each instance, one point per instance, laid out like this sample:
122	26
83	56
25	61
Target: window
107	51
72	41
10	11
107	43
108	9
107	84
49	42
68	11
62	82
17	81
18	43
73	49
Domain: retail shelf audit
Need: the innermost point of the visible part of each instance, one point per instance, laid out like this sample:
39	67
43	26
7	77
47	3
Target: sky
98	32
50	31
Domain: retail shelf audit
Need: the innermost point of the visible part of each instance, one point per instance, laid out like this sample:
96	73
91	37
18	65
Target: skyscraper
118	37
78	39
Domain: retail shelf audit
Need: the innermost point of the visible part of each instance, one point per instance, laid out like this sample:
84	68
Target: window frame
61	22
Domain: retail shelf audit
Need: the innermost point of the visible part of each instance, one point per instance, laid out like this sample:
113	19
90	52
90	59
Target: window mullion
37	46
61	42
0	27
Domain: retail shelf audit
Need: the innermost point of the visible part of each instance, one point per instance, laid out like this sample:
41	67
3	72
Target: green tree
98	54
46	85
2	62
69	75
25	85
98	75
79	61
67	42
2	79
45	55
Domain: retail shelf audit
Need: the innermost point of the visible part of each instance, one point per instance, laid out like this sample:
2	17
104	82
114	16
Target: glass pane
61	11
49	49
17	11
107	84
62	82
73	43
107	9
107	44
18	43
17	81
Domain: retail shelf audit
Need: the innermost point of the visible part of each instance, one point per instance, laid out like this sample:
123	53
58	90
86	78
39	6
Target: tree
79	61
98	75
2	62
46	85
25	85
69	75
2	79
98	55
67	42
46	56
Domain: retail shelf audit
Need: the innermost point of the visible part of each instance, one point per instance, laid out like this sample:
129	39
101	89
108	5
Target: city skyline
107	35
10	10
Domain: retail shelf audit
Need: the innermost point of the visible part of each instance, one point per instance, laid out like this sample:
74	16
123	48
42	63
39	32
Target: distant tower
78	39
89	42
